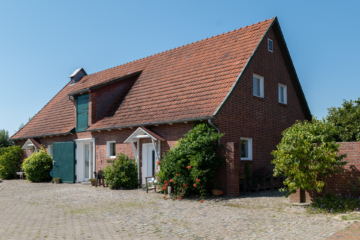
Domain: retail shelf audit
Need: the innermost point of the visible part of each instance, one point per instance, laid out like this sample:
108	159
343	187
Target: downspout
213	125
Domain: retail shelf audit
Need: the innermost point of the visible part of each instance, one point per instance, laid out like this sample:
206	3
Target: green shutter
64	161
82	112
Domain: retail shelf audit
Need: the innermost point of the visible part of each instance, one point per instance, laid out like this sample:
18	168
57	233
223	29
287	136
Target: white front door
148	161
87	158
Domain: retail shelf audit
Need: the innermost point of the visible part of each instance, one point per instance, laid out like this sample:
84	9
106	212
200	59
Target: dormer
77	75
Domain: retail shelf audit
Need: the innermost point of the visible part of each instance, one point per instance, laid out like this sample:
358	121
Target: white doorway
148	161
85	159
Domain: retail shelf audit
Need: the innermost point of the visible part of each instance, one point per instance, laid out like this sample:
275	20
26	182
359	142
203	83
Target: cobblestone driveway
74	211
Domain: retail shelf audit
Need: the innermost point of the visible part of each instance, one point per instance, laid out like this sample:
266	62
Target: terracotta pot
93	183
215	192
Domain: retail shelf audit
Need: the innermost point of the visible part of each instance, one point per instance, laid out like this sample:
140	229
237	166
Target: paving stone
76	211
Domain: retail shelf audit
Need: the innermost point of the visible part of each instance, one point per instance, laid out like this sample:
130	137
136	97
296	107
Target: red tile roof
185	83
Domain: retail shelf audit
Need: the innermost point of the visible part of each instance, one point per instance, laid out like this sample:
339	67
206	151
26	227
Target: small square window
282	93
111	149
270	45
258	86
246	148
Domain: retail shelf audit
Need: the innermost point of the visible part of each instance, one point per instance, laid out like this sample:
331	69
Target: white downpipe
216	130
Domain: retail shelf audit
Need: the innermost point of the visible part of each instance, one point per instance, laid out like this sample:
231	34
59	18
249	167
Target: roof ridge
180	46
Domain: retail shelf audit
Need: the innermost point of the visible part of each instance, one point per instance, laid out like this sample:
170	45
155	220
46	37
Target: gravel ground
132	214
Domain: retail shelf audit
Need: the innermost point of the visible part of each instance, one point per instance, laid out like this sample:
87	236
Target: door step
85	183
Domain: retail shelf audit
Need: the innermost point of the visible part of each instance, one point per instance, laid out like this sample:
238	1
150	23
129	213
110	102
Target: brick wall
342	182
262	119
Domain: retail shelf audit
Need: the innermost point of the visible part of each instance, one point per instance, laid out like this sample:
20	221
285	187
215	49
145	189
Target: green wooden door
82	112
64	161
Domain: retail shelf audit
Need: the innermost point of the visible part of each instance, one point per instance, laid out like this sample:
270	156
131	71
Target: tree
346	120
4	139
306	155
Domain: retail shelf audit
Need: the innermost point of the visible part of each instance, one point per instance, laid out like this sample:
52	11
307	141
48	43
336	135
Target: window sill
245	159
259	98
283	104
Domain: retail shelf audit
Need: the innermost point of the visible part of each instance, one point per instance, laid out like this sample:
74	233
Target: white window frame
250	150
50	150
108	146
285	93
272	44
261	85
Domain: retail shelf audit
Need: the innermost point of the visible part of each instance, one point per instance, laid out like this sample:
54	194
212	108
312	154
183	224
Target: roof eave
149	124
44	135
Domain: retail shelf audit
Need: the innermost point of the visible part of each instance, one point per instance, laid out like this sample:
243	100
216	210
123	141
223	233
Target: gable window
258	85
270	45
82	112
111	149
246	148
50	150
282	93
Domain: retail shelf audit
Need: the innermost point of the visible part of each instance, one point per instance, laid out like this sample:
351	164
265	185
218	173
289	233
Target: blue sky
43	42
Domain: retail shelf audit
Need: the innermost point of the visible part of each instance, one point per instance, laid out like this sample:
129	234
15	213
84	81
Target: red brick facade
262	119
342	182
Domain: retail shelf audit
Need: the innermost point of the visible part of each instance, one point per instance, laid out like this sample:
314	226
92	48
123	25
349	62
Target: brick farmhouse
242	82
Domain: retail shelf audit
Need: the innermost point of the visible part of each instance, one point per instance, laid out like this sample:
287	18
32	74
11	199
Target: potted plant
93	181
216	191
56	180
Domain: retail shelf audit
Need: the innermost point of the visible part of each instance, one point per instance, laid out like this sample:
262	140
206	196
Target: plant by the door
93	181
56	180
190	166
122	173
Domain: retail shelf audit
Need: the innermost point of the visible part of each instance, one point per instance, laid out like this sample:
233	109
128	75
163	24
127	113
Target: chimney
77	75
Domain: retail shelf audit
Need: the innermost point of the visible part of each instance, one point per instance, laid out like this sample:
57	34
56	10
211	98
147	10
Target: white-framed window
258	85
111	149
50	150
282	93
270	45
246	148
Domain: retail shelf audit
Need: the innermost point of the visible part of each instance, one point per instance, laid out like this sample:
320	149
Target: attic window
270	45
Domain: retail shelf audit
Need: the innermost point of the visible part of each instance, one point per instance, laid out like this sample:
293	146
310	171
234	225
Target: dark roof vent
77	75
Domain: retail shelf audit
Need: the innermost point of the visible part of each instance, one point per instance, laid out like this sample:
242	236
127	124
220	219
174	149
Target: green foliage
334	204
10	161
192	161
307	154
346	120
122	173
4	139
37	166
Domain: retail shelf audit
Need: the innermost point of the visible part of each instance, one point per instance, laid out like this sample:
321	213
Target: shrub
334	204
10	161
190	166
306	155
122	173
37	166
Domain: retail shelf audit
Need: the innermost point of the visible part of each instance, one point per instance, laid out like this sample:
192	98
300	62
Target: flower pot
93	183
57	181
216	192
